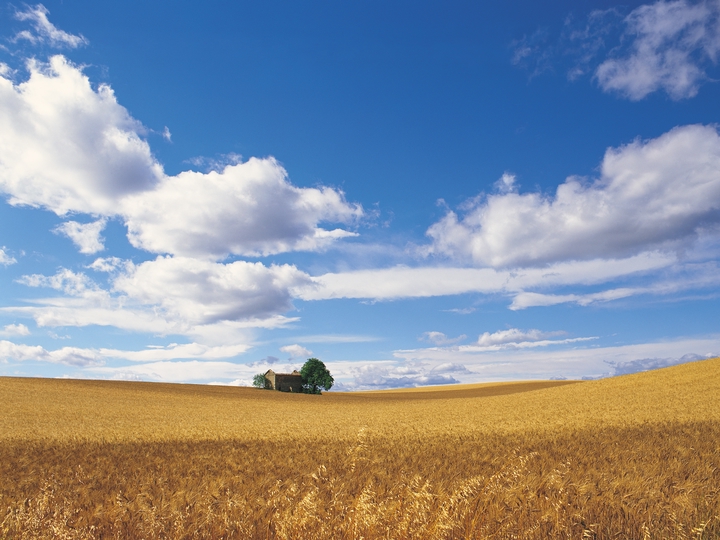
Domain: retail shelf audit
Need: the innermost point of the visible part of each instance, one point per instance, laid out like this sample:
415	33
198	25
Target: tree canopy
259	381
315	376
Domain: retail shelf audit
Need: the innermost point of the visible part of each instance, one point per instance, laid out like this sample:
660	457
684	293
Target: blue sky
414	192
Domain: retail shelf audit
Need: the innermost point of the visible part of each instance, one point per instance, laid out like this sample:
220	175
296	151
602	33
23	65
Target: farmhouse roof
295	372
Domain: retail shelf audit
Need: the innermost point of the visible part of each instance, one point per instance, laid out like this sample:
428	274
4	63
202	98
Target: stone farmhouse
284	382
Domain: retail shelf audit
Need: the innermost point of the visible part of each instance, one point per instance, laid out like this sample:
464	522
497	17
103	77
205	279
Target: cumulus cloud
86	236
5	259
246	209
669	45
45	32
11	330
69	282
296	351
651	195
67	147
202	292
71	356
211	303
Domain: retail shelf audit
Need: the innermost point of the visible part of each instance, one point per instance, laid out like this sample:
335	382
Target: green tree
315	376
259	380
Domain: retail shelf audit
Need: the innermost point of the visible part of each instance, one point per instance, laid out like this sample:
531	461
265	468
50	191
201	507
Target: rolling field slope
636	456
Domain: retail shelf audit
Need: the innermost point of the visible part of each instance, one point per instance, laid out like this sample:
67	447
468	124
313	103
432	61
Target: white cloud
690	276
176	351
212	303
5	259
438	338
646	364
663	46
410	368
512	336
201	292
573	362
69	282
528	344
62	312
336	338
247	208
670	44
404	282
86	236
93	357
506	184
296	351
45	31
531	299
169	371
650	195
67	147
386	375
71	356
461	311
110	264
15	330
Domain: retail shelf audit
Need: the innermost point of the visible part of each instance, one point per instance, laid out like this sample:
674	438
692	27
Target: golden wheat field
636	456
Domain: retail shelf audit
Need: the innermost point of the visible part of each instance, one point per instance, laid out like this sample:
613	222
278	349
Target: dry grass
631	457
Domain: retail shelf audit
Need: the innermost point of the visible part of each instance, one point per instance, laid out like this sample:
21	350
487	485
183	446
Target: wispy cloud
423	282
5	259
573	360
662	46
335	338
513	336
45	32
670	43
438	338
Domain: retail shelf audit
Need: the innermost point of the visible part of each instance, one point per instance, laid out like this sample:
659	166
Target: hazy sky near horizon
414	192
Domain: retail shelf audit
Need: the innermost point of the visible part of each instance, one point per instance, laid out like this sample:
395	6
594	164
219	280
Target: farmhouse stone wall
283	382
